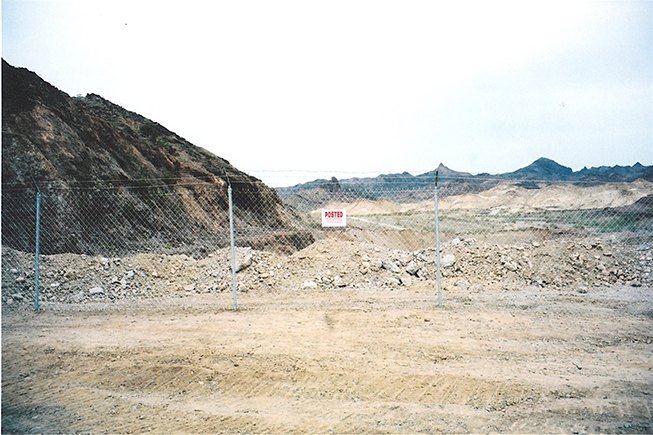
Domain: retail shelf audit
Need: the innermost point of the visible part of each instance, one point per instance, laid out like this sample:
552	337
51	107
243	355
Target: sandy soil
563	196
514	198
347	360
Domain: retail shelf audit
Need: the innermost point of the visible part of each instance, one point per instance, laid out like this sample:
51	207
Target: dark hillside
101	167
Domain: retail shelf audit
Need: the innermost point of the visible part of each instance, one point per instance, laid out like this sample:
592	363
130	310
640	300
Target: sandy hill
513	198
557	196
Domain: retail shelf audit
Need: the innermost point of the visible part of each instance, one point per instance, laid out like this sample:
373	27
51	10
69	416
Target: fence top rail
386	182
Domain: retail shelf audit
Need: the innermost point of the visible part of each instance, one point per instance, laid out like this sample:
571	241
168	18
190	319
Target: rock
189	287
392	266
243	258
55	284
447	260
14	271
309	285
462	283
404	258
96	291
20	279
80	296
406	280
393	282
338	281
412	268
17	297
70	275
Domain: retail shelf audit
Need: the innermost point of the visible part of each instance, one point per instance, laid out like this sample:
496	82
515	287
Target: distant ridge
540	173
542	169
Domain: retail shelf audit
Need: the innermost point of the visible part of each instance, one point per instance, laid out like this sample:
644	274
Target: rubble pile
328	263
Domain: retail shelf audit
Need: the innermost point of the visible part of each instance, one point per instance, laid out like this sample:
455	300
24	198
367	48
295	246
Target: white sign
334	218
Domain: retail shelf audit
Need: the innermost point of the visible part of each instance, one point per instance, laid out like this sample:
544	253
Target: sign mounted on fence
334	218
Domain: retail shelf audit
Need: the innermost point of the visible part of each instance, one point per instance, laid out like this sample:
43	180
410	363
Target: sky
290	91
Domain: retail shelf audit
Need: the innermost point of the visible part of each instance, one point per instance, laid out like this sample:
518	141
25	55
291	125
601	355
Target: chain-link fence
160	240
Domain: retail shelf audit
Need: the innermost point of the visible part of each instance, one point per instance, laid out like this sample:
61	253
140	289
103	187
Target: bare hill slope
132	168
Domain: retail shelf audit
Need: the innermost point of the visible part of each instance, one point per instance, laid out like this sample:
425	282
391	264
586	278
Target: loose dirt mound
352	259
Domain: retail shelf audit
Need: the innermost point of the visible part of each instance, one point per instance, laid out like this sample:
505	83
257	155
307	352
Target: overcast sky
351	87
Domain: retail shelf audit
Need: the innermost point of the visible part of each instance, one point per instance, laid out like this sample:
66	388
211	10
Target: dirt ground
335	360
547	332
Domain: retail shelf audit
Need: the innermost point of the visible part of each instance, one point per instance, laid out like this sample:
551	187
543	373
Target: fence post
437	243
37	250
233	250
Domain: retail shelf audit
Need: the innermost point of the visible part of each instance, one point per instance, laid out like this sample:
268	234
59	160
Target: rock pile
328	263
557	263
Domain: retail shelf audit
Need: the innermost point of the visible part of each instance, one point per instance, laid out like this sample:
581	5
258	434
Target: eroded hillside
103	169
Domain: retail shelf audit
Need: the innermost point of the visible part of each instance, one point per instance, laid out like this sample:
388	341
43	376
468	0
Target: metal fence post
437	243
37	250
233	250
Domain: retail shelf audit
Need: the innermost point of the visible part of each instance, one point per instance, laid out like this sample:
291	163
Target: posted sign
334	218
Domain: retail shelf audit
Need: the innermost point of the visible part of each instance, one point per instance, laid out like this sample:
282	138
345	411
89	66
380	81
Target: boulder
243	258
447	260
412	268
96	291
392	266
309	285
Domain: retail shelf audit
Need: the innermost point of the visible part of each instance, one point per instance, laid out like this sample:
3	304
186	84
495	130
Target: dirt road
335	360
